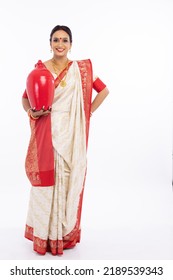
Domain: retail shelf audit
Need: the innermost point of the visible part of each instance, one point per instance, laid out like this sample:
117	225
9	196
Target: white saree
52	212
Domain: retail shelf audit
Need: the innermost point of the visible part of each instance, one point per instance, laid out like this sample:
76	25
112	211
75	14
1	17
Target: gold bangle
30	115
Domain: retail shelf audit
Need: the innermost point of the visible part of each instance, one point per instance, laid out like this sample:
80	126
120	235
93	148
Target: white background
128	199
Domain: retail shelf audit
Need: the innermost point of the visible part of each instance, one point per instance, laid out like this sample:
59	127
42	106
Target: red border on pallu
85	67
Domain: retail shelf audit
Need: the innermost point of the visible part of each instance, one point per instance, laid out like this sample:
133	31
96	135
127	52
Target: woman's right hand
36	114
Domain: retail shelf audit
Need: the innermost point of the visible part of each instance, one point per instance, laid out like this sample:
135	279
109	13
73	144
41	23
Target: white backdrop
128	200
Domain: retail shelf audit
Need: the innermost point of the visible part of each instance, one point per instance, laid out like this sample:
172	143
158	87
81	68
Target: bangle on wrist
30	115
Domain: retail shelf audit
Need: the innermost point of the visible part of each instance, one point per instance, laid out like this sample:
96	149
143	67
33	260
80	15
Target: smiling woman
56	160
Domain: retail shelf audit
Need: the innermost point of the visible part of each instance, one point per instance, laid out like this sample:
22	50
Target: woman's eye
57	40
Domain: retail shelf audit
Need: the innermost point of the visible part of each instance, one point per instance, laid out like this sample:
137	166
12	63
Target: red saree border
86	71
56	247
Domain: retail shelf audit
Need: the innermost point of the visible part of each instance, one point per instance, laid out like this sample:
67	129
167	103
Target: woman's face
60	43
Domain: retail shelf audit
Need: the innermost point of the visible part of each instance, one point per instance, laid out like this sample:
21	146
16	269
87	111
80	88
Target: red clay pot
40	87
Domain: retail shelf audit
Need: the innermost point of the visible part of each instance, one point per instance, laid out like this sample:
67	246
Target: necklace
57	70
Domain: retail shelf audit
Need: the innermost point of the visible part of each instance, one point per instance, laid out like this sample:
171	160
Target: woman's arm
26	104
99	99
34	114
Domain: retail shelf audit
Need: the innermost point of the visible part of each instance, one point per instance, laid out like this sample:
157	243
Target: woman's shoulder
48	65
47	62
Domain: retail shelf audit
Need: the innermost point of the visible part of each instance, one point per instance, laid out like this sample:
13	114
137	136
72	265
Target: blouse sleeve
98	85
25	94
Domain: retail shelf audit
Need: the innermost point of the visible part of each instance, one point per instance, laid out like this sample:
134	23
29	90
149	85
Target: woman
56	159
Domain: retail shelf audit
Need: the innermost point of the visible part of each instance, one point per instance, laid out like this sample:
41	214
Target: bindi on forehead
61	38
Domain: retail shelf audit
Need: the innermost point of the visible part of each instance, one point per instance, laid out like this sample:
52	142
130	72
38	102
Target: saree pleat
46	214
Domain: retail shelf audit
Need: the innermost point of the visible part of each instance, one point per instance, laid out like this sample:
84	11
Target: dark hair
61	27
